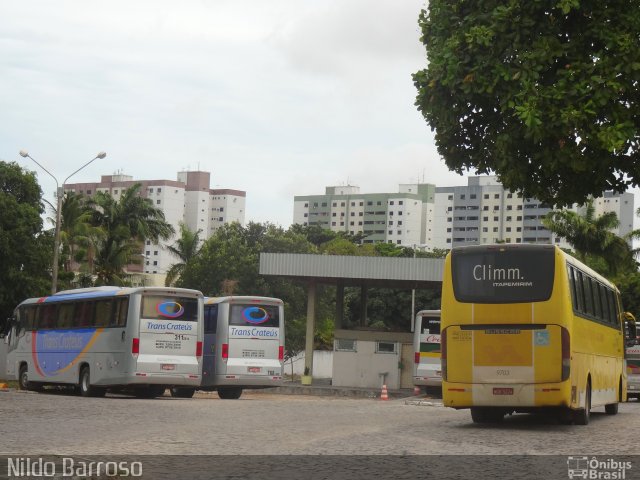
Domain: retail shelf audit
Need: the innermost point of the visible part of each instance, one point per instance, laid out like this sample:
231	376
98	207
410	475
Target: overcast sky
277	98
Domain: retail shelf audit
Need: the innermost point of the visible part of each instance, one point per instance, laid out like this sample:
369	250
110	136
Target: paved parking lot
269	424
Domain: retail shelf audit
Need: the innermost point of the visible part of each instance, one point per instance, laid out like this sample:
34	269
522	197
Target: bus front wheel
180	392
229	393
86	389
23	379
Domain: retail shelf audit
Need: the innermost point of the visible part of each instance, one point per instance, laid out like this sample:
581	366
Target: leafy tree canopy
542	92
25	250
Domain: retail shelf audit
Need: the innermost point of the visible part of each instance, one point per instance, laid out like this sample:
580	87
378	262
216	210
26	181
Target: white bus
243	345
143	340
426	348
633	371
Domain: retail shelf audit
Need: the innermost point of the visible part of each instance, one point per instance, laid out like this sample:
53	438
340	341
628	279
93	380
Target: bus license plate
502	391
167	366
253	369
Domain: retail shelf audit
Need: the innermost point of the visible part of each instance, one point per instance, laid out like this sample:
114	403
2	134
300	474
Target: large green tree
26	251
542	92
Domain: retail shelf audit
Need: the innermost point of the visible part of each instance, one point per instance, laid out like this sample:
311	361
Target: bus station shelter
360	365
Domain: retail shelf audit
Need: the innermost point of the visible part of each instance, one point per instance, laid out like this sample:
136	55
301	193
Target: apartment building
188	199
399	218
444	217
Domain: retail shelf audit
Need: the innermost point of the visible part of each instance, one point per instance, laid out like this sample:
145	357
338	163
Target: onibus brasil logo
595	468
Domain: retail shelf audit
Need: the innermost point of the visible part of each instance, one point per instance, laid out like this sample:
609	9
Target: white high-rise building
480	212
189	199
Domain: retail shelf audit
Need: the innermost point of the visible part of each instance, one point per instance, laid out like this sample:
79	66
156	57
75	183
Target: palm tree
76	232
591	236
185	248
126	223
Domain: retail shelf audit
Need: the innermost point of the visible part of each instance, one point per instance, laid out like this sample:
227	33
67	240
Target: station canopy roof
383	272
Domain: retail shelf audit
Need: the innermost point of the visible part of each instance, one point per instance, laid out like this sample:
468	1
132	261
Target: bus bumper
143	378
466	395
244	381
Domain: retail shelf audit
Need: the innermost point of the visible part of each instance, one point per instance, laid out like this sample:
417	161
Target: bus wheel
486	415
612	408
229	393
85	387
581	417
182	392
23	379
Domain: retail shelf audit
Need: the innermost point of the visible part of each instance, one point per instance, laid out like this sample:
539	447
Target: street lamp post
59	195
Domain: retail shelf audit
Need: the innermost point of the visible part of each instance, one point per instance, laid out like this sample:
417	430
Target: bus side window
122	310
597	306
572	286
577	275
66	315
104	312
47	316
27	317
84	314
210	318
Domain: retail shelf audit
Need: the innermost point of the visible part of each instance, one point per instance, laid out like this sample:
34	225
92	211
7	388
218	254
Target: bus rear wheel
486	415
581	417
229	393
181	392
85	387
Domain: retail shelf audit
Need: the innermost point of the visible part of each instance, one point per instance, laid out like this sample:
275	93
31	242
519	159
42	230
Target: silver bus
243	345
426	348
141	340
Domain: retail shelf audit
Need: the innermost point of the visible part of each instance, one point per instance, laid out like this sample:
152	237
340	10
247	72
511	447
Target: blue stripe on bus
81	296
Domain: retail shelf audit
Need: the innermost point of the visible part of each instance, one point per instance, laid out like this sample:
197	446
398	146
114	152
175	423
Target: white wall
322	364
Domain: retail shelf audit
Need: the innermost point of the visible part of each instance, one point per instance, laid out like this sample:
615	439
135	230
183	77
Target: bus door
209	348
255	339
168	339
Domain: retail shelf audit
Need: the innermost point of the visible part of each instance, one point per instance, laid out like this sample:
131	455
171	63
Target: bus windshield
255	315
502	275
157	307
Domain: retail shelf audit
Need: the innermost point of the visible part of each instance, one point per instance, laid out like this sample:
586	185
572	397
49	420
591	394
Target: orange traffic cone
384	395
4	387
417	391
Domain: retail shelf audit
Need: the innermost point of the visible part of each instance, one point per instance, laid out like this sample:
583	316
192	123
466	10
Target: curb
423	403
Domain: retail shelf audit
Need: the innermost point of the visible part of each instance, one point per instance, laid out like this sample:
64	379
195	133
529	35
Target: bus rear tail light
566	354
416	358
225	351
443	354
198	349
135	347
281	353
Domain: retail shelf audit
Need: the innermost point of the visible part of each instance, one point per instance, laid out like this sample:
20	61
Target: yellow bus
528	327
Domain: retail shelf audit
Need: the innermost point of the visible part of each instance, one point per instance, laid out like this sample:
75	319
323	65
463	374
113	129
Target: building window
158	202
486	207
391	202
486	196
159	190
462	197
472	196
497	195
344	345
305	215
400	202
385	347
155	262
306	205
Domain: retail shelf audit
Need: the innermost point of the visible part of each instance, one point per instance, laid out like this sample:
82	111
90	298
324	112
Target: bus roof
241	299
102	292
